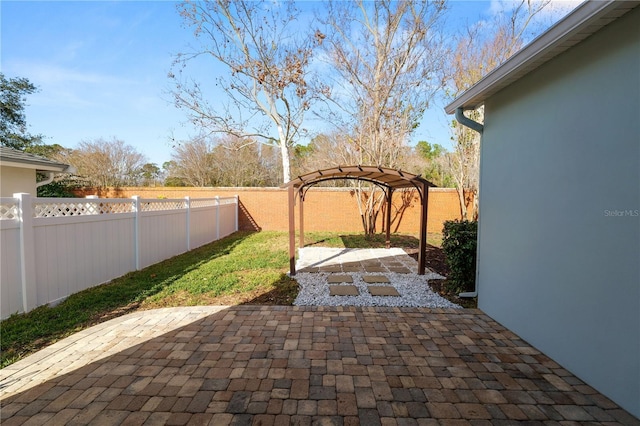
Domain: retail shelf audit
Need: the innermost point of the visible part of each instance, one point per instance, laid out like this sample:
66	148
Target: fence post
237	208
27	252
136	230
187	202
217	217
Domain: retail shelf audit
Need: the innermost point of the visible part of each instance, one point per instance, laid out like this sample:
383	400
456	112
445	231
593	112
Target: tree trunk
369	207
284	151
463	204
476	206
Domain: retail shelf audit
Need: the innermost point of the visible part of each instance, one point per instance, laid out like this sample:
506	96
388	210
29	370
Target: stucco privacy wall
559	262
325	209
16	179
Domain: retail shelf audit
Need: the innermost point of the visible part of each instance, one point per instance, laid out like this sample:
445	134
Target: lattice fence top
159	205
228	200
62	207
212	202
73	207
204	202
8	210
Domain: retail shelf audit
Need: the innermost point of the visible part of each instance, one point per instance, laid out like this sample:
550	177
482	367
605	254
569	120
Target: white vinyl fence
51	248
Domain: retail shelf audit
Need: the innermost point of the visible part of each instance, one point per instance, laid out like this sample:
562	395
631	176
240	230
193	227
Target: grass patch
332	239
237	269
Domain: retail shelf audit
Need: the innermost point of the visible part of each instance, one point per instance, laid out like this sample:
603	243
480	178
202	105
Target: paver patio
298	365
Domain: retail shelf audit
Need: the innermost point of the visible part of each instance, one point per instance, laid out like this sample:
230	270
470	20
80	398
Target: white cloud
67	87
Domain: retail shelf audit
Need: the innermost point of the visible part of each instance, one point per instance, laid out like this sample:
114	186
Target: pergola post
292	231
387	242
301	219
422	251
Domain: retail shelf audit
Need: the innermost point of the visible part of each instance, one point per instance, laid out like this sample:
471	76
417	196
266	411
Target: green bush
57	189
459	243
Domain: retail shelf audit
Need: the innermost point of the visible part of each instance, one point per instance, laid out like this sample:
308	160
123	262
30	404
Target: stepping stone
374	269
401	270
351	268
339	279
374	279
383	290
331	268
343	290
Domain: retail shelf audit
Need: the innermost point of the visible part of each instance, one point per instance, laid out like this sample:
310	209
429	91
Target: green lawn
236	269
244	268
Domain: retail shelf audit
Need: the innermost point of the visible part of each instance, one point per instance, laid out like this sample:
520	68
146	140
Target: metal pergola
388	179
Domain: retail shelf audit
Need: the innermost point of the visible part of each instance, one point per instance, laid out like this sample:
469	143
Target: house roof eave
36	167
10	157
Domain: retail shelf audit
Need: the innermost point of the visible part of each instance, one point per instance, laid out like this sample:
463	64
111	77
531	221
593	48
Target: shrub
460	240
60	189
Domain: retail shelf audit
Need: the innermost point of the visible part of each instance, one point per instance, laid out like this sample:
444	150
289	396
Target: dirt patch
436	261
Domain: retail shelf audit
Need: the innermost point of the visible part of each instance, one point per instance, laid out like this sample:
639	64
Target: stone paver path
265	365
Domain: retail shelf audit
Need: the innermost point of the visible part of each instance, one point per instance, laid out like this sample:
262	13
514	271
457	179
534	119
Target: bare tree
266	65
464	165
105	163
479	51
192	162
329	150
224	161
240	163
388	61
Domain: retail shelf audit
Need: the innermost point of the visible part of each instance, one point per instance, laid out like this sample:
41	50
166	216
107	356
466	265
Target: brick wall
325	209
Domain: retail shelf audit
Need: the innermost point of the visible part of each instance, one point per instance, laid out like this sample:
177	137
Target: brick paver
298	365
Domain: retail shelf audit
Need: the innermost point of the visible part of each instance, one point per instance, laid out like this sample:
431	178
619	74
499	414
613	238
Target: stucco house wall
17	179
559	230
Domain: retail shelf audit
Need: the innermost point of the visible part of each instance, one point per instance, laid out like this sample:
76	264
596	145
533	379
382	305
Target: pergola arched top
381	176
389	179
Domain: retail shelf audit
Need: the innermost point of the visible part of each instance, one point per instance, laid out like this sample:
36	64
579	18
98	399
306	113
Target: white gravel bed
414	291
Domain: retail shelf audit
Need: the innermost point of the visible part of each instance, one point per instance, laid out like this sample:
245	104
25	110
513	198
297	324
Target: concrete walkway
292	365
378	260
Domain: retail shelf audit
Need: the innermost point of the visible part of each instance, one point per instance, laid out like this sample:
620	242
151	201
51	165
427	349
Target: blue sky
101	68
